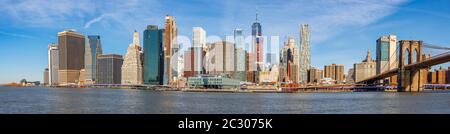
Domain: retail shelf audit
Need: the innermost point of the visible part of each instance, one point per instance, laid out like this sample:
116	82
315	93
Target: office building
71	46
170	42
53	64
46	77
220	58
109	69
240	64
386	58
289	62
257	49
92	50
153	55
132	64
198	45
365	69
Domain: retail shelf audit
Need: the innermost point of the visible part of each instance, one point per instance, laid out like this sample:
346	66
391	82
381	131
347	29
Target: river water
41	100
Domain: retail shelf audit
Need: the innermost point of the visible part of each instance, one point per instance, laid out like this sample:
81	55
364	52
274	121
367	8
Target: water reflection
123	101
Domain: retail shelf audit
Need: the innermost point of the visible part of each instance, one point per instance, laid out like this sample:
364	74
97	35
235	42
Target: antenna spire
256	13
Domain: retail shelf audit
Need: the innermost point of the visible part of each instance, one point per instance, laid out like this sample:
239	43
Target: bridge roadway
435	60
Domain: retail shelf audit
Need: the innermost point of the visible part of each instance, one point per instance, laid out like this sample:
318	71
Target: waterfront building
198	45
71	47
170	42
46	77
438	76
305	55
153	55
269	75
249	67
92	50
220	58
240	64
350	77
289	62
314	75
132	65
214	82
53	64
81	78
240	57
334	72
109	69
189	63
386	58
365	69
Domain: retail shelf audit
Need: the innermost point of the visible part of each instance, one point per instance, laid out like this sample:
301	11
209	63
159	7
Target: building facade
132	64
334	72
387	58
305	55
269	75
109	69
153	55
289	62
314	75
257	51
240	57
71	46
220	58
53	64
198	45
92	50
45	79
365	69
170	42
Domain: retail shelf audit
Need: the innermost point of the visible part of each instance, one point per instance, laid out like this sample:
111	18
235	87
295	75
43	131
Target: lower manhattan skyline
225	65
341	31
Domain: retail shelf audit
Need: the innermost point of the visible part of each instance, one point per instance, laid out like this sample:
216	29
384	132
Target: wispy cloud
17	35
89	23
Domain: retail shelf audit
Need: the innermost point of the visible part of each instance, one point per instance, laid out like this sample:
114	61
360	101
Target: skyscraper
71	47
305	62
53	64
220	58
109	69
198	44
240	56
132	65
257	40
170	41
289	62
387	56
153	55
365	69
92	50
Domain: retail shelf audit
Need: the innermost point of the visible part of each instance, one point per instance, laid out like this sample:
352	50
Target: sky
342	31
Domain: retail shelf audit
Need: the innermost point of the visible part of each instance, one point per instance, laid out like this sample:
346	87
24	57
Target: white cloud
17	35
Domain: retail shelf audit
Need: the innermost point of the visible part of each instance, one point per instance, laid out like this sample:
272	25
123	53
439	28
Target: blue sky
341	30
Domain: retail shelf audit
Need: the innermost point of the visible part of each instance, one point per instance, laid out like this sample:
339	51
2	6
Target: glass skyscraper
153	55
109	69
92	50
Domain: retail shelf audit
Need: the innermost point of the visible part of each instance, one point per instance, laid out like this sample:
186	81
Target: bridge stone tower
410	79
